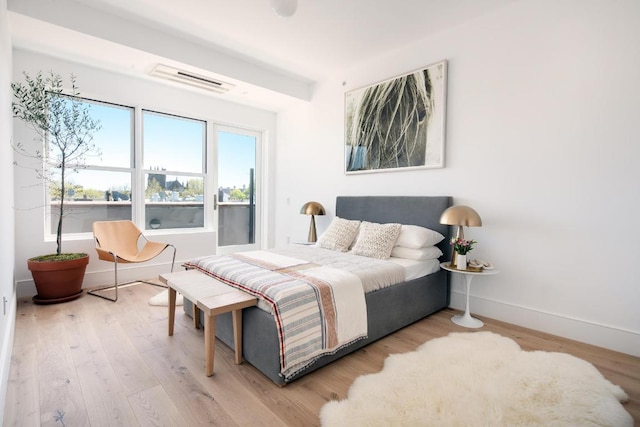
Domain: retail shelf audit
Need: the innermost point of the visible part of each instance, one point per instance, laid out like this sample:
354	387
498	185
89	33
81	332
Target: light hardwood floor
91	362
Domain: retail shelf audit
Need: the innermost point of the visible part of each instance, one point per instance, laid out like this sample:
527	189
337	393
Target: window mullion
138	172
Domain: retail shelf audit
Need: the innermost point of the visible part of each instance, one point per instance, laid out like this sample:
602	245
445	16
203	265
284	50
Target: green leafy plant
64	124
462	246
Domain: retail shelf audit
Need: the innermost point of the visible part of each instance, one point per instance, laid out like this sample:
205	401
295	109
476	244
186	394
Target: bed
387	309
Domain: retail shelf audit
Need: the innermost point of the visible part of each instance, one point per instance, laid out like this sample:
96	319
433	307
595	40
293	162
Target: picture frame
397	124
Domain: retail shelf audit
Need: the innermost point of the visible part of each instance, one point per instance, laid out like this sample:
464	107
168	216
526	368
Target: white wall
118	88
542	140
7	283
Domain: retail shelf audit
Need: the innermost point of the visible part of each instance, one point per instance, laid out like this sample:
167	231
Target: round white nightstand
465	319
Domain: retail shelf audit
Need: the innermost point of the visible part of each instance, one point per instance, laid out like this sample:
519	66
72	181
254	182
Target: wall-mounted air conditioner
191	79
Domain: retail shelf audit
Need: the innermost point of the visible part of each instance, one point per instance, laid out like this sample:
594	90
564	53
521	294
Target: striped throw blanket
318	309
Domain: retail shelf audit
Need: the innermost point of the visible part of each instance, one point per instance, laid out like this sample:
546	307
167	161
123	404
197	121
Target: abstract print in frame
397	124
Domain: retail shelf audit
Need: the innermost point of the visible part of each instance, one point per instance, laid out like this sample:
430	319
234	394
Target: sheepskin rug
162	299
480	379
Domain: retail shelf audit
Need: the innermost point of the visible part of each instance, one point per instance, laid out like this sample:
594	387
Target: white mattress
415	269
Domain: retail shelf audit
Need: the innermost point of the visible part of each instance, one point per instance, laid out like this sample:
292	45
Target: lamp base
454	254
312	230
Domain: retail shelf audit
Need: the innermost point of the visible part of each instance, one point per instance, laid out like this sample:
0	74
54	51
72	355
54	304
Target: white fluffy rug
162	299
480	379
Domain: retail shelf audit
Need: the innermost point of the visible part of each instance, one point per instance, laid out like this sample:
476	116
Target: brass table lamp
312	208
460	215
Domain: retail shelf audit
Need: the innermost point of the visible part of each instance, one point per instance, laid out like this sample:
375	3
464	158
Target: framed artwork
397	124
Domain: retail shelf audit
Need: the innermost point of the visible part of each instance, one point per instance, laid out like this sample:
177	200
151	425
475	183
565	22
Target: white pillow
430	252
416	237
339	235
376	240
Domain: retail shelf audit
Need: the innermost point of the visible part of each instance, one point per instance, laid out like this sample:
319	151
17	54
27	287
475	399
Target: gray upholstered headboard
414	210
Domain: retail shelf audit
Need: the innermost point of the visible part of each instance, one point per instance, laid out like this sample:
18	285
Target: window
102	190
174	166
152	169
167	187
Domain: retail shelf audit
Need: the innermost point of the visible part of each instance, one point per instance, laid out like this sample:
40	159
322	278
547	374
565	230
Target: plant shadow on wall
65	131
398	123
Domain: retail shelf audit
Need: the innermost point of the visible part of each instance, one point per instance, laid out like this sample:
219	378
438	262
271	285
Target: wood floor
91	362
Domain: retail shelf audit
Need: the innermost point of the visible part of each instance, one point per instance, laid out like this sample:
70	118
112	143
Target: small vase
461	262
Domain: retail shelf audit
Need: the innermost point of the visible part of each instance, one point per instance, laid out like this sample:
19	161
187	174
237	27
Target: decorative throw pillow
339	235
416	237
430	252
376	240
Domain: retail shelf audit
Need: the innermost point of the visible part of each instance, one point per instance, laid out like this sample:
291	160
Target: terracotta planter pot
58	281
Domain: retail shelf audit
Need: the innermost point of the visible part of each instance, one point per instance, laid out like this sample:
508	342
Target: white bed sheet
374	273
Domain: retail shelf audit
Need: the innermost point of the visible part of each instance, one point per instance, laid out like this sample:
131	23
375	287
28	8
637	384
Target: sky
236	155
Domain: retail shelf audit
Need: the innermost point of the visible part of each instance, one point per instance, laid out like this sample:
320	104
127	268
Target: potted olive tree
66	129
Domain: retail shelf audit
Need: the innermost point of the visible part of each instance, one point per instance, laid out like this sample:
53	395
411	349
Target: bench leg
196	316
172	310
237	334
209	342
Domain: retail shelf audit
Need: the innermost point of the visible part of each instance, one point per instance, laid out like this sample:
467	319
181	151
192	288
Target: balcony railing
235	220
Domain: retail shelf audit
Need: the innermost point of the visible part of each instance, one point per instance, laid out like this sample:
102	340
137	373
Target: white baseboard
613	338
5	352
92	279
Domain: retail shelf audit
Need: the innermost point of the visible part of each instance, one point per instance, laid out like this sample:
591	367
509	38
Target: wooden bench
212	297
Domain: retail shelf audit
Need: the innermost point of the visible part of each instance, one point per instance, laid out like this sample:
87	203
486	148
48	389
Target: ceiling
269	58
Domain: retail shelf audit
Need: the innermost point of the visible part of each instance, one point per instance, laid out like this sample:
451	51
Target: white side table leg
466	320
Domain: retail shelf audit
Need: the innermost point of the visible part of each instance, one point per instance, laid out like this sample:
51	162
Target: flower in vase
462	246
